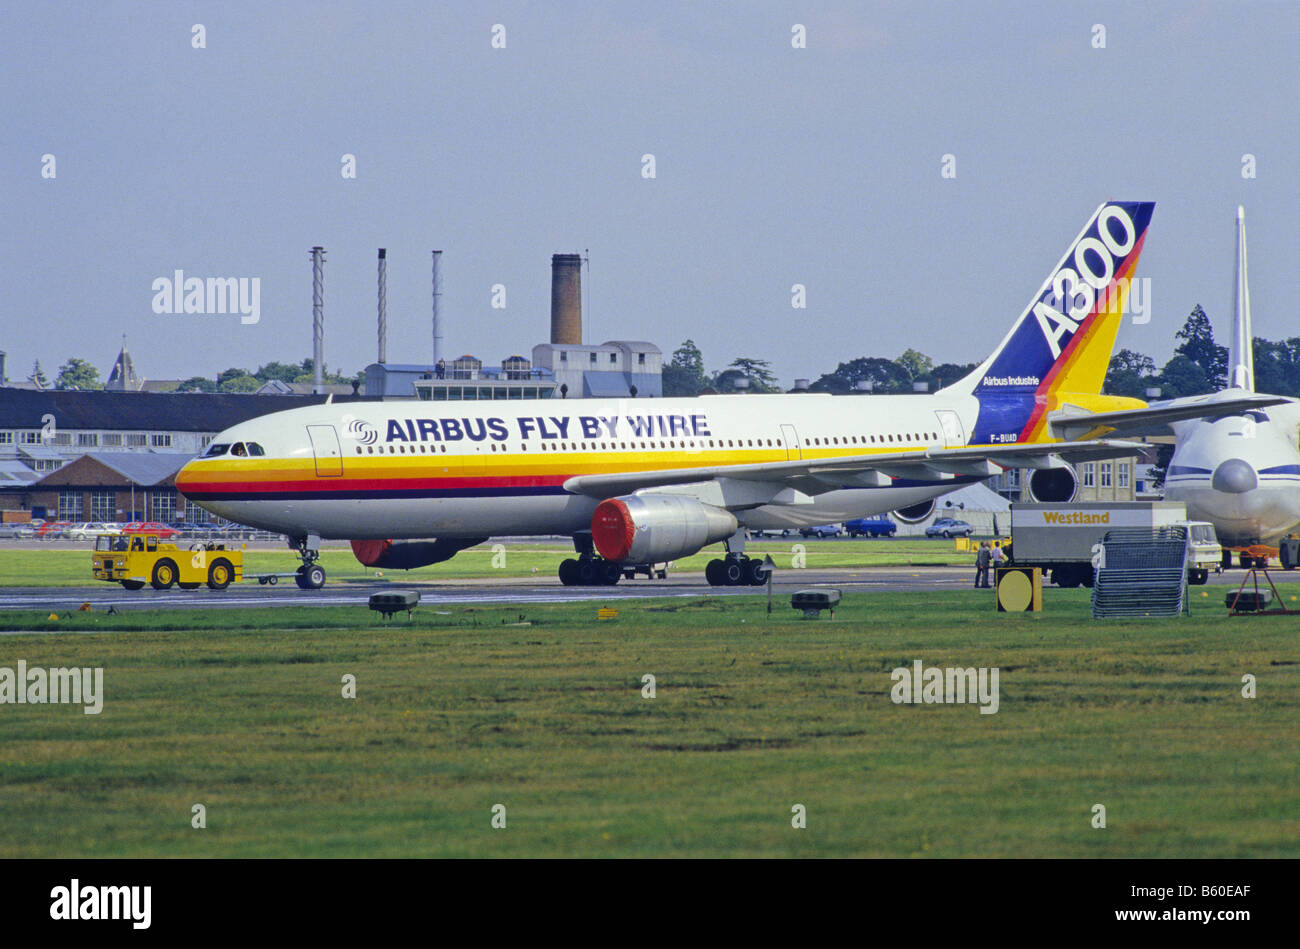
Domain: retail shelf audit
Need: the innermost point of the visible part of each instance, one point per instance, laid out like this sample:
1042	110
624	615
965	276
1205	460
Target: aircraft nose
1234	476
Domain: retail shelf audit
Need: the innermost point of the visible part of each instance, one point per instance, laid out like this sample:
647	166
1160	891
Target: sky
773	166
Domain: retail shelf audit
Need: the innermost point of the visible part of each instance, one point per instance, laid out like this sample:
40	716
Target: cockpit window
1256	415
215	451
239	449
255	450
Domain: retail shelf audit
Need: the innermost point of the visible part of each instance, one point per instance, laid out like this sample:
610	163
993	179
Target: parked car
192	529
89	530
51	529
18	530
150	527
880	526
949	527
823	530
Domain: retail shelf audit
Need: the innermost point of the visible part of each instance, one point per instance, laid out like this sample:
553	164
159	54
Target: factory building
614	369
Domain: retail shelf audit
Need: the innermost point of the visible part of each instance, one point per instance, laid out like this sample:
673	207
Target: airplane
637	481
1240	471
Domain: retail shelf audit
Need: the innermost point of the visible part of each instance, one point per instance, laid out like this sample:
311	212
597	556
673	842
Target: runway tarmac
501	591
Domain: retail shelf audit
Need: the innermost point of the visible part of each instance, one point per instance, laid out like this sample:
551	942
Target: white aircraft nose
1234	476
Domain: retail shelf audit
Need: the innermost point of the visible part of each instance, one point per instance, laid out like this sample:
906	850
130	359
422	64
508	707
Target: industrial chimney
383	305
566	299
437	295
318	318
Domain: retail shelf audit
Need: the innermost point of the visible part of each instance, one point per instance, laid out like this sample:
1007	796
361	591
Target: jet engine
406	555
915	513
650	528
1053	485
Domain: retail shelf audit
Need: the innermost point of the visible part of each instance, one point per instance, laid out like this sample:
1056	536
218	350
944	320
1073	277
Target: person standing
997	555
982	559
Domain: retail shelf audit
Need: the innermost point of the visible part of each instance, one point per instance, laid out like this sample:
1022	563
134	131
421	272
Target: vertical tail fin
1241	358
1063	340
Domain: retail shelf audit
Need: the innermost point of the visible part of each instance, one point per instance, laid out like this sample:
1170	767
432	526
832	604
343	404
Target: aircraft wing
794	482
1074	423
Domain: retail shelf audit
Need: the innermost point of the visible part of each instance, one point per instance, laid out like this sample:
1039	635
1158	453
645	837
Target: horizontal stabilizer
1071	422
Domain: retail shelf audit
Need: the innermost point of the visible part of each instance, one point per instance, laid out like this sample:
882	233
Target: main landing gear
588	570
311	575
735	569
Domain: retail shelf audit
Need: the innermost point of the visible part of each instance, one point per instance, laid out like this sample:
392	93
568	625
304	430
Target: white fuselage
418	469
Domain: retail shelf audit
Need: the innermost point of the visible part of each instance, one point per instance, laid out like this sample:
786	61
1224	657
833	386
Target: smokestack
437	294
383	305
318	317
566	299
2	367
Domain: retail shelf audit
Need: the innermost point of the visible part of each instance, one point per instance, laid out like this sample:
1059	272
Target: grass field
461	710
35	565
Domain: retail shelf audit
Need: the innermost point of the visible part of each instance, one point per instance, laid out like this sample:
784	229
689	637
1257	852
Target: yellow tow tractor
136	559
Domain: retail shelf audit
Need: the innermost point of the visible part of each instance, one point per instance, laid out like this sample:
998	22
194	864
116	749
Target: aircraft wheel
164	574
613	573
755	575
587	573
311	578
732	573
569	572
713	573
133	584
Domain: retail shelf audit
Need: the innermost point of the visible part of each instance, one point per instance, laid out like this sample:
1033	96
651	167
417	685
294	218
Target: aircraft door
791	438
950	425
325	446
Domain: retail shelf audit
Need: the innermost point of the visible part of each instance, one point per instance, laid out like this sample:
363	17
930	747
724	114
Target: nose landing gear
311	575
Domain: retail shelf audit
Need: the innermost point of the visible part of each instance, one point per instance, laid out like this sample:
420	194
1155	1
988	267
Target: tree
232	373
885	375
244	383
38	376
757	371
197	384
1181	376
916	364
78	374
285	372
1277	366
307	373
947	373
1130	374
1198	345
684	374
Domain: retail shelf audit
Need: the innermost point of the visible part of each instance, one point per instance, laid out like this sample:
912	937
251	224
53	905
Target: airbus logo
362	431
